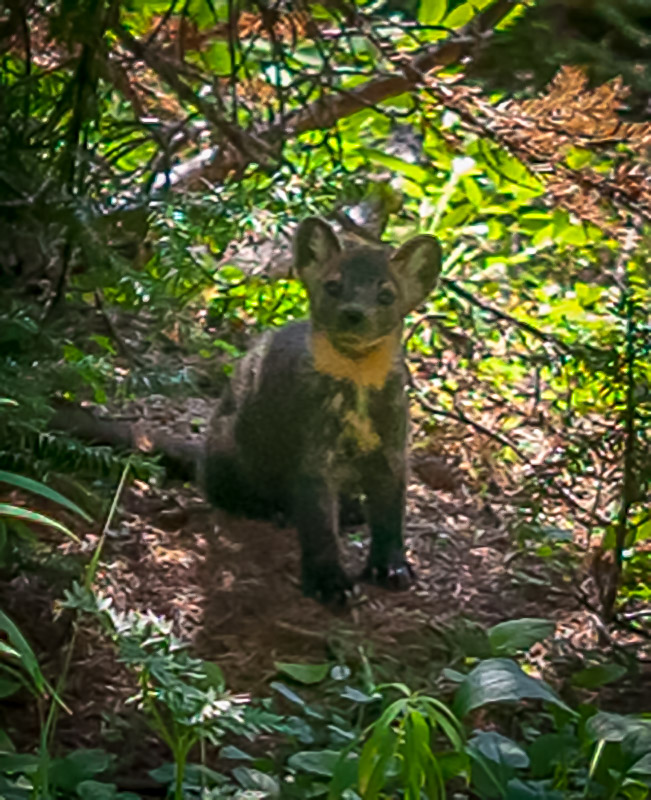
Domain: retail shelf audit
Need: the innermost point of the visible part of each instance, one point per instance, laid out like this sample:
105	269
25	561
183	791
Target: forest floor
231	586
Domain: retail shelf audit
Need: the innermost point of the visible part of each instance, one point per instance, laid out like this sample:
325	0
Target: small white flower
462	165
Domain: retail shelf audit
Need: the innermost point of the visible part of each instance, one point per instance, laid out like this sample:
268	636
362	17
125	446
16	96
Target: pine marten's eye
333	288
386	296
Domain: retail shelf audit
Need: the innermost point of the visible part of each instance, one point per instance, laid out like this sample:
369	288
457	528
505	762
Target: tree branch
216	164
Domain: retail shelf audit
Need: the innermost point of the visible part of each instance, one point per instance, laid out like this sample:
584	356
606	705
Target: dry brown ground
231	586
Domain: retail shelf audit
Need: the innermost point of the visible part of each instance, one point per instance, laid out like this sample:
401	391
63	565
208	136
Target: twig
459	416
503	315
506	442
122	346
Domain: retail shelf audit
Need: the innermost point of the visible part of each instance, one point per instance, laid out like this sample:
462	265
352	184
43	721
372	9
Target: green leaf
94	790
374	762
317	762
412	171
304	673
431	12
11	763
530	790
356	696
36	487
344	777
80	765
15	512
510	637
500	749
608	727
598	675
643	531
257	781
232	752
287	693
218	58
231	274
460	16
550	749
500	680
28	660
214	675
472	190
8	687
642	767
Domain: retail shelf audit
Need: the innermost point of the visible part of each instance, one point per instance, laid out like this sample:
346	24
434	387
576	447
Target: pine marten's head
359	296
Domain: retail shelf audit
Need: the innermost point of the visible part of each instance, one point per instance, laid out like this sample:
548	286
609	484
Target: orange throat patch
371	369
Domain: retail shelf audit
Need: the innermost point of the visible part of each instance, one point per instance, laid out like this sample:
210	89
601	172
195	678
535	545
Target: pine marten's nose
351	316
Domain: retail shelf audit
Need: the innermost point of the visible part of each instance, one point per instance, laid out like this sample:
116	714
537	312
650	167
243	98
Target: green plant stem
47	732
594	761
91	570
183	746
167	737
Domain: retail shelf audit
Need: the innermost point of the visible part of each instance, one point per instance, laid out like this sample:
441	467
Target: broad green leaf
317	762
257	781
550	749
80	765
8	687
36	487
16	512
11	763
500	680
94	790
304	673
431	12
643	531
638	743
530	790
514	635
608	727
500	749
599	675
642	767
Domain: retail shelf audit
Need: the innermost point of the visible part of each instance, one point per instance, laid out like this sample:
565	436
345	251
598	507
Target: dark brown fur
317	410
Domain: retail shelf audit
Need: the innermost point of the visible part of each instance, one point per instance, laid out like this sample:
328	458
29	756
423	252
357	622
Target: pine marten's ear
416	267
315	247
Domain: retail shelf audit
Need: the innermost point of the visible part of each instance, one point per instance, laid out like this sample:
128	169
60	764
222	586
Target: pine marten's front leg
315	513
385	487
